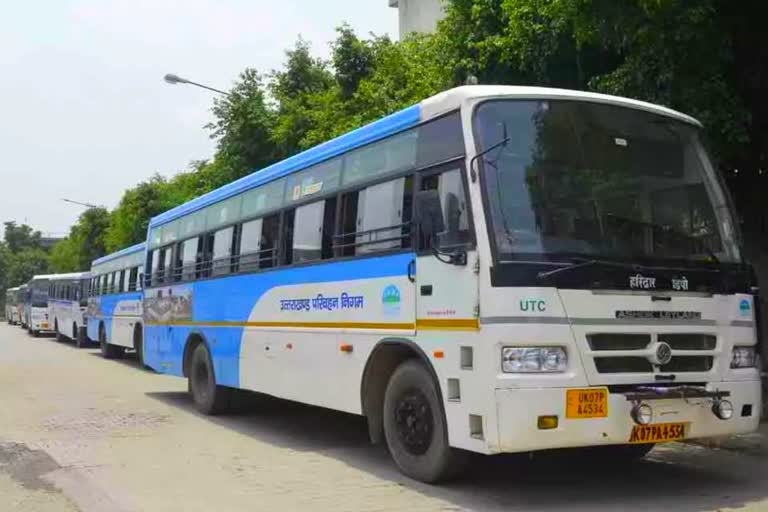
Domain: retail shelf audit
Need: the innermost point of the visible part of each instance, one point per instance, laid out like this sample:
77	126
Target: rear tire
209	398
108	351
415	427
80	337
138	345
59	336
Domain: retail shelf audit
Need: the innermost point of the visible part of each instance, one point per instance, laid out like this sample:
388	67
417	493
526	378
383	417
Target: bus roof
71	275
41	277
430	108
122	252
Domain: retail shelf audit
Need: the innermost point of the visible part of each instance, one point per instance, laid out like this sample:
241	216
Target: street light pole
175	79
87	205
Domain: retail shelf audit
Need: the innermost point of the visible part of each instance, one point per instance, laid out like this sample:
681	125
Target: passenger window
120	281
250	245
313	226
258	243
453	200
377	218
133	277
222	251
186	260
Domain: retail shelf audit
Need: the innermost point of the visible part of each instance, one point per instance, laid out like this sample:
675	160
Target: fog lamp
723	409
642	414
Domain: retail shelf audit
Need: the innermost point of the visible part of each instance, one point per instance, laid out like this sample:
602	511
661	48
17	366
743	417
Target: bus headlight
743	357
533	359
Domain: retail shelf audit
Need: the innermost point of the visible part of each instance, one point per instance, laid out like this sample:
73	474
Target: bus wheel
108	351
35	333
80	336
209	398
59	336
415	428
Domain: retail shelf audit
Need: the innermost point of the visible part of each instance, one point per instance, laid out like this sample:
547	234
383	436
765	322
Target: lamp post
87	205
175	79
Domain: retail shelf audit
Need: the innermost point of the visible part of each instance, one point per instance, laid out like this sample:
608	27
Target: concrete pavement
78	432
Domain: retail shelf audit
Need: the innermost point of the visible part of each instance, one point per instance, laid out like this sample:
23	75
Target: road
78	432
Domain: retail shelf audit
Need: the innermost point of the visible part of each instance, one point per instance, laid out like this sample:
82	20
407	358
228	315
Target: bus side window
120	282
453	200
313	226
377	218
133	278
186	260
221	253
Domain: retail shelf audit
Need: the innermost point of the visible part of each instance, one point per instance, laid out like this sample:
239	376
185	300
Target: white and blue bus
21	305
114	316
496	269
67	302
11	306
36	306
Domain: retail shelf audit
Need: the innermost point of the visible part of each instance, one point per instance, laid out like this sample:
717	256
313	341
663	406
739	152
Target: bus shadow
129	359
679	477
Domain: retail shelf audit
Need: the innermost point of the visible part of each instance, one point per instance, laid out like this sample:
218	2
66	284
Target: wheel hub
413	419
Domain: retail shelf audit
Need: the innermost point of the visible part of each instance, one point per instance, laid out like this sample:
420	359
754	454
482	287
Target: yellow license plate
44	324
657	433
586	403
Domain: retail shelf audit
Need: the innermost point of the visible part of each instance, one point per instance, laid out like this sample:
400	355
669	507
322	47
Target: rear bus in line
496	269
11	306
67	302
36	306
21	305
115	302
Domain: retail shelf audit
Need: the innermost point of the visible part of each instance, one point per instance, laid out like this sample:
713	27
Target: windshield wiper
583	262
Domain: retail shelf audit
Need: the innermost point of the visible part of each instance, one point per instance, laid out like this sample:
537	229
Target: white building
418	15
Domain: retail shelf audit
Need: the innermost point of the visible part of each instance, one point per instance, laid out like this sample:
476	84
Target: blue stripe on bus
372	132
233	298
123	252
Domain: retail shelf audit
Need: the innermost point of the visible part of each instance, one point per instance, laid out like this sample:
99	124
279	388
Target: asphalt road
78	432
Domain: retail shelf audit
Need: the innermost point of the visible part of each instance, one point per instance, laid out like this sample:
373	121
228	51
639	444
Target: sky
85	111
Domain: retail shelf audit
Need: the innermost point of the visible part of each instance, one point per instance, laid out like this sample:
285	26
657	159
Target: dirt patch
27	466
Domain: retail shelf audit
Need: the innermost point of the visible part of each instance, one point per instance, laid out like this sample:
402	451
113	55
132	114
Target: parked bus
21	301
11	307
36	306
114	305
496	269
67	302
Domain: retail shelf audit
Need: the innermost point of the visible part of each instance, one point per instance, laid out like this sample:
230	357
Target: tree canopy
706	58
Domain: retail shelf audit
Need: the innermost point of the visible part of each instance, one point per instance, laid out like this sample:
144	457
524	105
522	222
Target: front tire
59	336
209	398
108	351
415	427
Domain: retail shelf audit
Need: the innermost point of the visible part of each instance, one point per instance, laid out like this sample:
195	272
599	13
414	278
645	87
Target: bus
496	269
67	302
36	306
114	314
11	306
21	301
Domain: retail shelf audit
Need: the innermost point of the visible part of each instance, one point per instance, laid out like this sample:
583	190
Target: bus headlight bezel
546	359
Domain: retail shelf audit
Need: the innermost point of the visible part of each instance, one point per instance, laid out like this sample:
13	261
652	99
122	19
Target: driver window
453	201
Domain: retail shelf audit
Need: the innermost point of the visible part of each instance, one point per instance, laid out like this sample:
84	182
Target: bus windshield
39	293
591	179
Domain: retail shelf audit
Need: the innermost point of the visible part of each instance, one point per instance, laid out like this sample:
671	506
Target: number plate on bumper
586	403
657	433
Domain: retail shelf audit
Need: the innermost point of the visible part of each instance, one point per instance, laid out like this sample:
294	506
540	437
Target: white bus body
586	306
36	306
67	302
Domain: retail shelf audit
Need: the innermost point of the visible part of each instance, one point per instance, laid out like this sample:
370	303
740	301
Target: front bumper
518	409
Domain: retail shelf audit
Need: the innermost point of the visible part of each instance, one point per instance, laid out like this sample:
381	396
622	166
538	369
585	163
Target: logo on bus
745	308
390	300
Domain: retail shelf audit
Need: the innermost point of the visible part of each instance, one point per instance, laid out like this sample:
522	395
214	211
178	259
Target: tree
18	238
86	242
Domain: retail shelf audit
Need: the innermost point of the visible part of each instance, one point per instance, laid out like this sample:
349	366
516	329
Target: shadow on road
677	477
128	359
